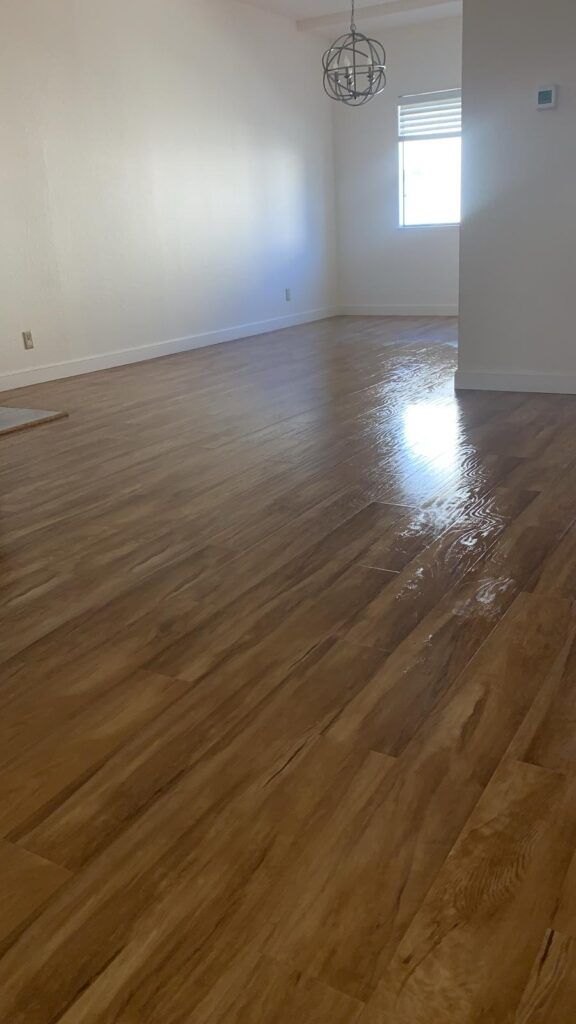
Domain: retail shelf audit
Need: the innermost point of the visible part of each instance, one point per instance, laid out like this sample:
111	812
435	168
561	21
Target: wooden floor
288	691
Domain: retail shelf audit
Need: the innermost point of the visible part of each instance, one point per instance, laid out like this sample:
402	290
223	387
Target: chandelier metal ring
354	67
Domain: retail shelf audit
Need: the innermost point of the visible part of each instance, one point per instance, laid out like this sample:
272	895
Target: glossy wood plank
46	771
527	430
458	637
349	529
550	683
256	989
26	883
558	575
425	581
182	871
565	915
359	904
550	996
554	743
270	992
229	742
265	628
27	621
272	615
469	951
198	927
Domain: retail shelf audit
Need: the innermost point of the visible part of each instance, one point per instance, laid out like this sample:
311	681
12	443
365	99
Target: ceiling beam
389	10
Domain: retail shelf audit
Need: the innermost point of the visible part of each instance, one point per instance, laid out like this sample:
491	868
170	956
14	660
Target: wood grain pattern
56	764
554	744
565	916
389	711
27	882
550	996
467	955
423	583
367	894
227	880
277	720
287	691
270	992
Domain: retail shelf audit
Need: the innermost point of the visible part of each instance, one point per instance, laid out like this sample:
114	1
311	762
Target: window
430	152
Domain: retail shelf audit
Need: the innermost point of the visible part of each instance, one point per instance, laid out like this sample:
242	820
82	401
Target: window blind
430	115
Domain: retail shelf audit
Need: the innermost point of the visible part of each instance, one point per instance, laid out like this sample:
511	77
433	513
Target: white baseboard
73	367
545	383
399	310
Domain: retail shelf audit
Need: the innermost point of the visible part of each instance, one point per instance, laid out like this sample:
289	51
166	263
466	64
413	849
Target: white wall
519	234
383	268
166	171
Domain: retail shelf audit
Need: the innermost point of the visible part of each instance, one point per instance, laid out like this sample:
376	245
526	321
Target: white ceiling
324	13
299	9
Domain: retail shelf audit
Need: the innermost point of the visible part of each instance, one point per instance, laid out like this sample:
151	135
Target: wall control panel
547	97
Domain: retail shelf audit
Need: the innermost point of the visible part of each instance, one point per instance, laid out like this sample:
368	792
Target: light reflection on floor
432	433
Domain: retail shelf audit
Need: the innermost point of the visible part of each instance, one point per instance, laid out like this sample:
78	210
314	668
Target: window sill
429	227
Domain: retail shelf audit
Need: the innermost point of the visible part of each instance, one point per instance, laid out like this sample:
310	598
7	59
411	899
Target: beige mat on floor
20	419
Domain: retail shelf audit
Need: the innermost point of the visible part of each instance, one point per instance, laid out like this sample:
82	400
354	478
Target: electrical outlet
28	339
288	295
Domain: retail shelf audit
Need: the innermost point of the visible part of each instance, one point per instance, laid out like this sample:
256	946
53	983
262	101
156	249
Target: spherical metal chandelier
354	67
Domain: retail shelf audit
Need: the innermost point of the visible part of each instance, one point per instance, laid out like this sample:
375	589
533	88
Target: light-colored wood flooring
288	694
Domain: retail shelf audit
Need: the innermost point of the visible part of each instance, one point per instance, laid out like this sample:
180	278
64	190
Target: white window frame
426	125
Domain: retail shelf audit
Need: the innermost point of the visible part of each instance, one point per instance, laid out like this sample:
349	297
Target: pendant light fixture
354	67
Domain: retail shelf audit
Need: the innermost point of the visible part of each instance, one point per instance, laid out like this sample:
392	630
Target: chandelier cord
354	67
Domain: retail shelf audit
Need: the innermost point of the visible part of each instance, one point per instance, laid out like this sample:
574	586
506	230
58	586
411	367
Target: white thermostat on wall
547	97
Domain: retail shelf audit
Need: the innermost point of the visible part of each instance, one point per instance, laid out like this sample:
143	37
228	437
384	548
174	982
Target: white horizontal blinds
432	115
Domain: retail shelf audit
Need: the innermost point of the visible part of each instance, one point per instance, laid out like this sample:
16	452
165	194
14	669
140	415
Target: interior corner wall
166	174
384	268
518	270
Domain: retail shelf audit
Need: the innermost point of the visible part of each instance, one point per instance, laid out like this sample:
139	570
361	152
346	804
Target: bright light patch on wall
284	198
